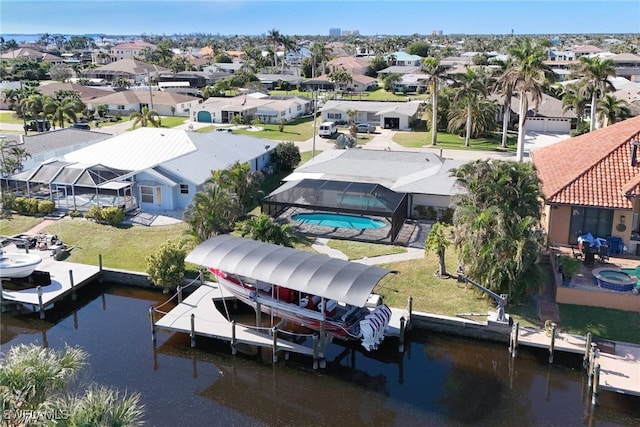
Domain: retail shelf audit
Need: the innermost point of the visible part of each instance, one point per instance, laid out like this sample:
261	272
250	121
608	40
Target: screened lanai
74	186
355	198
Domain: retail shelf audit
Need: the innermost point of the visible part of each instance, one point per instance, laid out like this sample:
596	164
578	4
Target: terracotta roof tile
593	169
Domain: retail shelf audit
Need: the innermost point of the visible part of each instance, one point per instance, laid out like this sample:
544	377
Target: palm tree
472	85
595	76
12	156
212	211
240	180
33	378
438	242
506	90
144	117
612	110
274	37
289	45
319	54
66	107
496	225
341	77
34	104
436	73
527	77
573	99
265	229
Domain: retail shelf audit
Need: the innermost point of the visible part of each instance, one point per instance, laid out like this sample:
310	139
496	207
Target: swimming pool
614	279
338	221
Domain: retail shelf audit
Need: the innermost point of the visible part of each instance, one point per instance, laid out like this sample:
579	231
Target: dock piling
100	262
40	305
315	351
513	344
401	337
153	325
193	330
585	359
274	331
592	358
73	289
596	385
233	337
179	291
409	322
553	341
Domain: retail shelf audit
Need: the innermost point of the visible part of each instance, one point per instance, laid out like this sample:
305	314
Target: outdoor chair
603	253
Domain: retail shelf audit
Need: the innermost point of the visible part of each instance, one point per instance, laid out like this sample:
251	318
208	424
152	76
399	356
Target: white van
327	129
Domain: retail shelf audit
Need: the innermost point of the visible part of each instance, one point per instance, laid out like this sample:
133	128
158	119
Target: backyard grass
359	250
416	139
16	224
123	247
607	323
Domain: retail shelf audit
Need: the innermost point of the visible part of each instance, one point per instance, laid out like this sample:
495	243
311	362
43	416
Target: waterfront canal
440	380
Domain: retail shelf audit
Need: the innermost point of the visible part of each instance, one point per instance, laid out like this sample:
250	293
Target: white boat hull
14	265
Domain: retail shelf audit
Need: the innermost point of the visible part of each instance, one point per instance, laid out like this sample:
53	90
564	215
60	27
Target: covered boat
325	294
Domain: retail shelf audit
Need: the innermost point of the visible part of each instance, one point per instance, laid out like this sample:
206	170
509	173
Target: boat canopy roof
315	274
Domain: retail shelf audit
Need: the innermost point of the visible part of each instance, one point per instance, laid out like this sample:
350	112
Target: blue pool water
339	221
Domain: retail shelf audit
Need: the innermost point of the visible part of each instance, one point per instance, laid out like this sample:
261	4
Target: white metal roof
315	274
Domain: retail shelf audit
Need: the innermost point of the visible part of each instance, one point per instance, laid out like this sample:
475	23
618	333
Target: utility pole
150	91
315	110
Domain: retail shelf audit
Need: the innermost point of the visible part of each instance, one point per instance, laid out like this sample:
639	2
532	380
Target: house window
598	222
120	107
335	116
299	107
146	194
184	189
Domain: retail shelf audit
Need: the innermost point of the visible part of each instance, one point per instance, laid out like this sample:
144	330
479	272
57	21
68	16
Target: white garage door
548	125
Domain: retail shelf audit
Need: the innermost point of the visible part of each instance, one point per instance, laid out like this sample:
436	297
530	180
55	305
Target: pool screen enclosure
358	198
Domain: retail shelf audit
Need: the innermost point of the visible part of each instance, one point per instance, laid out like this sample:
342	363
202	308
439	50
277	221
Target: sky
307	17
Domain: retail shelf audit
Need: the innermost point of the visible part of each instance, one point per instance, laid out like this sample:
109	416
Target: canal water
439	380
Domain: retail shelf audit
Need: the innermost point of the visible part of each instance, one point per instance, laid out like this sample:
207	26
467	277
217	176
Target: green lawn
167	122
415	139
359	250
121	247
16	224
297	130
601	322
6	117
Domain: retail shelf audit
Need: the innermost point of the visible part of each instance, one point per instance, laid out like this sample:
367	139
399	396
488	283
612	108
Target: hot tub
614	279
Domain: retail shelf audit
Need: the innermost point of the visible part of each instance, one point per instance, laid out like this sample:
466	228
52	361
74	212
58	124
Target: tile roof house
350	64
549	117
132	69
86	93
591	184
128	101
33	54
129	50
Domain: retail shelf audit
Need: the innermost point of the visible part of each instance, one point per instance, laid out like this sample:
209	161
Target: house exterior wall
619	301
549	124
557	224
436	201
162	194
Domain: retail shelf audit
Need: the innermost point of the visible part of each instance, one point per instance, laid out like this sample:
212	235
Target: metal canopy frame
315	274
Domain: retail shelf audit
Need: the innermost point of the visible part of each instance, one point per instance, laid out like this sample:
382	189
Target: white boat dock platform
619	363
209	322
66	278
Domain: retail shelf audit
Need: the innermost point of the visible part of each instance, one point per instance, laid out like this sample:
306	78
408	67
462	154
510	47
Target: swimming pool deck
66	278
619	362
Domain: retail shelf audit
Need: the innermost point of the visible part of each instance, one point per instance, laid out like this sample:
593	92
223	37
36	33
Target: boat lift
501	299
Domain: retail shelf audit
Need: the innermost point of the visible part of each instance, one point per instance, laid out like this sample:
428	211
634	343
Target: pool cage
356	198
73	186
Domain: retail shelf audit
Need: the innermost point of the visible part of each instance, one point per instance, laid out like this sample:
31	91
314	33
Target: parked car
224	130
365	127
38	125
83	126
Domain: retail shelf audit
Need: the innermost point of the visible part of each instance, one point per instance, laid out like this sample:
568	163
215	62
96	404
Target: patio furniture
603	253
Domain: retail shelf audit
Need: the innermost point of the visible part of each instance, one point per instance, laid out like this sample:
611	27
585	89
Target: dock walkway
66	277
619	362
209	322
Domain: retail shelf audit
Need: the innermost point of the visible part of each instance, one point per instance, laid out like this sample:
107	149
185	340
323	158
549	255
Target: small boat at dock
17	264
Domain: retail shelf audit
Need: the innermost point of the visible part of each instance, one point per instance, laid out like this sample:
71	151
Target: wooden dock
209	322
66	278
619	362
